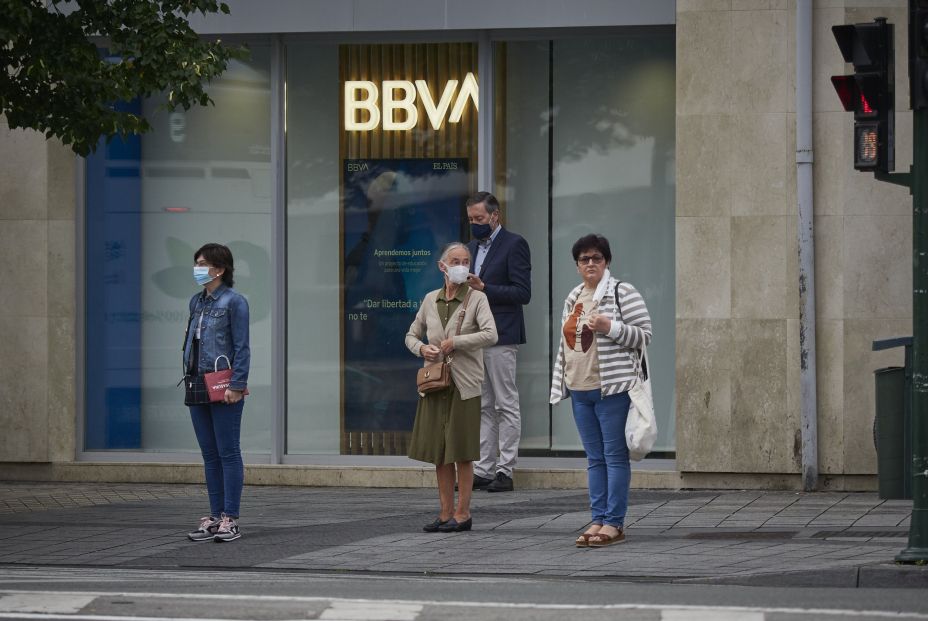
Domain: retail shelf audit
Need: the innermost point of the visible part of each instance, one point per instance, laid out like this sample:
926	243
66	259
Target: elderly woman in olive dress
447	428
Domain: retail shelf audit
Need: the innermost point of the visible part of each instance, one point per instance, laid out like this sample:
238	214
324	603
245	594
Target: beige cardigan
478	330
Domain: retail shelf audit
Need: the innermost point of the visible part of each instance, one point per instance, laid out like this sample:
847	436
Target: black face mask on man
481	231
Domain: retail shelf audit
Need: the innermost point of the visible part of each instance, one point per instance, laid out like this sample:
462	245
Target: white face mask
457	274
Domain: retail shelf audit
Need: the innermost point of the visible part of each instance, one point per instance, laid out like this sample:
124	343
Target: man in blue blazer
502	269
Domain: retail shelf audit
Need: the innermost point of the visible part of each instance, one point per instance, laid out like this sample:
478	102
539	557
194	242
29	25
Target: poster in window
398	214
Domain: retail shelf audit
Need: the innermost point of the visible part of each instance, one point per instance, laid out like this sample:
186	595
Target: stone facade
737	252
37	311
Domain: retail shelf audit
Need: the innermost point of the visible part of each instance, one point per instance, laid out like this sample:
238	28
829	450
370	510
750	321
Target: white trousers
500	421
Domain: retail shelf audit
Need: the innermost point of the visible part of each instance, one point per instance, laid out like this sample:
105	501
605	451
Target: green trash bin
894	461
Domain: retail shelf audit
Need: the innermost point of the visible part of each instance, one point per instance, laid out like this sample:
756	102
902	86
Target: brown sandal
583	541
602	539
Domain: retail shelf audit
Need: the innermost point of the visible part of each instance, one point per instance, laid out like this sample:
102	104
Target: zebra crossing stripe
676	614
52	603
371	611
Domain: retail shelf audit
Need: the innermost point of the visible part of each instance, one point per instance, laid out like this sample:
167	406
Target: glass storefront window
378	171
521	123
380	155
585	144
202	175
313	248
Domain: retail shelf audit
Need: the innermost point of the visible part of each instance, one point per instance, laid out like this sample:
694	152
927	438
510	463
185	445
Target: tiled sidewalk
26	497
707	536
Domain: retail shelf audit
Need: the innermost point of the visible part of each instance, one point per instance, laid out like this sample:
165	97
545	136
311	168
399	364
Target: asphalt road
102	594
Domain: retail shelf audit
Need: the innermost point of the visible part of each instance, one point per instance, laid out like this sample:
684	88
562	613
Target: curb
891	575
883	576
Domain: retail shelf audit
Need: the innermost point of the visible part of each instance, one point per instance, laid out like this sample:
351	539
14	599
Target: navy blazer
507	274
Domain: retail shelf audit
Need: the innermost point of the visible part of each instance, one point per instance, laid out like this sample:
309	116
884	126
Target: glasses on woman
583	259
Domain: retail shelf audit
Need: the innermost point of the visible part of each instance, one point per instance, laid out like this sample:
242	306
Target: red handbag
218	381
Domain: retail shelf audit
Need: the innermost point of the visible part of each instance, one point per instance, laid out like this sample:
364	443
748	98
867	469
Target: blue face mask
481	231
201	275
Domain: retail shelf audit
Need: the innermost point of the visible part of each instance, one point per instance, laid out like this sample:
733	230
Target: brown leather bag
437	375
434	376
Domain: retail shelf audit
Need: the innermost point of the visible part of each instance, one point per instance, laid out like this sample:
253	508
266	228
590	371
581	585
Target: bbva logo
363	96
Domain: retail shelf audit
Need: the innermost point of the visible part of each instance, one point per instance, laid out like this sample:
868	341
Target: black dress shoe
479	483
453	526
435	526
502	483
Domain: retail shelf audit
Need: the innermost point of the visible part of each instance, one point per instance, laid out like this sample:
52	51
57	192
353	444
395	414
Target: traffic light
869	93
918	54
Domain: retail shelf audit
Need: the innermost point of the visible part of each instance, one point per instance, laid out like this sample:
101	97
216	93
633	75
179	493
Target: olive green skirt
447	428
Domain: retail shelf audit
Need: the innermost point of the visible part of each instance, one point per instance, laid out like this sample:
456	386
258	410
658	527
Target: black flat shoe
453	526
435	526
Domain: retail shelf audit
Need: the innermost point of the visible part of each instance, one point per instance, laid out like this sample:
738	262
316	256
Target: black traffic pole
917	550
915	180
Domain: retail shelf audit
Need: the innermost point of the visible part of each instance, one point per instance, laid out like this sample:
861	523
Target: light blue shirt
483	247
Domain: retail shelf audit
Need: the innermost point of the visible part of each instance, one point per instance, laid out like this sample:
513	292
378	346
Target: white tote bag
641	426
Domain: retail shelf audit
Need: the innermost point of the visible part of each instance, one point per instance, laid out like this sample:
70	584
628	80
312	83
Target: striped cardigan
617	350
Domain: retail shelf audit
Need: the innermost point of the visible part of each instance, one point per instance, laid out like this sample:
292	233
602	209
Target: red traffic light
868	92
853	96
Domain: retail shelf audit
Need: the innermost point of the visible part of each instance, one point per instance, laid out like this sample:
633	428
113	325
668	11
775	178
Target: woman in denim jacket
218	326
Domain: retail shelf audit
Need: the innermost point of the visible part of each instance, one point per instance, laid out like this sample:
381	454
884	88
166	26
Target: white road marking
57	603
717	614
38	616
370	611
691	610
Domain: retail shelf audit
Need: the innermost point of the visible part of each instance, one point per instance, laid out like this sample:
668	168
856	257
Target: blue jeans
601	423
218	427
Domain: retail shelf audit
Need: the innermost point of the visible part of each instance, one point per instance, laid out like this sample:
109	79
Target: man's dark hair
486	198
592	242
219	256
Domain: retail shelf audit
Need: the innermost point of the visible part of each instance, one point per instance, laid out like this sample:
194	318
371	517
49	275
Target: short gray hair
453	245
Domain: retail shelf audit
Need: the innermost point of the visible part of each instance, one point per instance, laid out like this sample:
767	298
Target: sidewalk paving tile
886	519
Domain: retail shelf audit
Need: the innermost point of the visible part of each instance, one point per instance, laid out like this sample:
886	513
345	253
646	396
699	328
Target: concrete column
37	306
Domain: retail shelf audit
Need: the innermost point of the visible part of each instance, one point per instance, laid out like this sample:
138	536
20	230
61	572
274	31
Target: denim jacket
224	332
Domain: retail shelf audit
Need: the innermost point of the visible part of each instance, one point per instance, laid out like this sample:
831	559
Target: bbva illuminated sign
361	95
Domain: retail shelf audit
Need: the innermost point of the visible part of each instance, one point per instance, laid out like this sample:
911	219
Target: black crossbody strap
618	304
183	345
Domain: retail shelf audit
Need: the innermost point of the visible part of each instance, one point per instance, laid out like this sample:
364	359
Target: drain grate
750	534
825	534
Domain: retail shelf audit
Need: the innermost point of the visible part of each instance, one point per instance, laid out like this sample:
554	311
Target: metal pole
485	173
807	381
917	551
278	417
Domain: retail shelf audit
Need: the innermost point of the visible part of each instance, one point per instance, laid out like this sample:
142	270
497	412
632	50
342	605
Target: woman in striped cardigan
604	324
